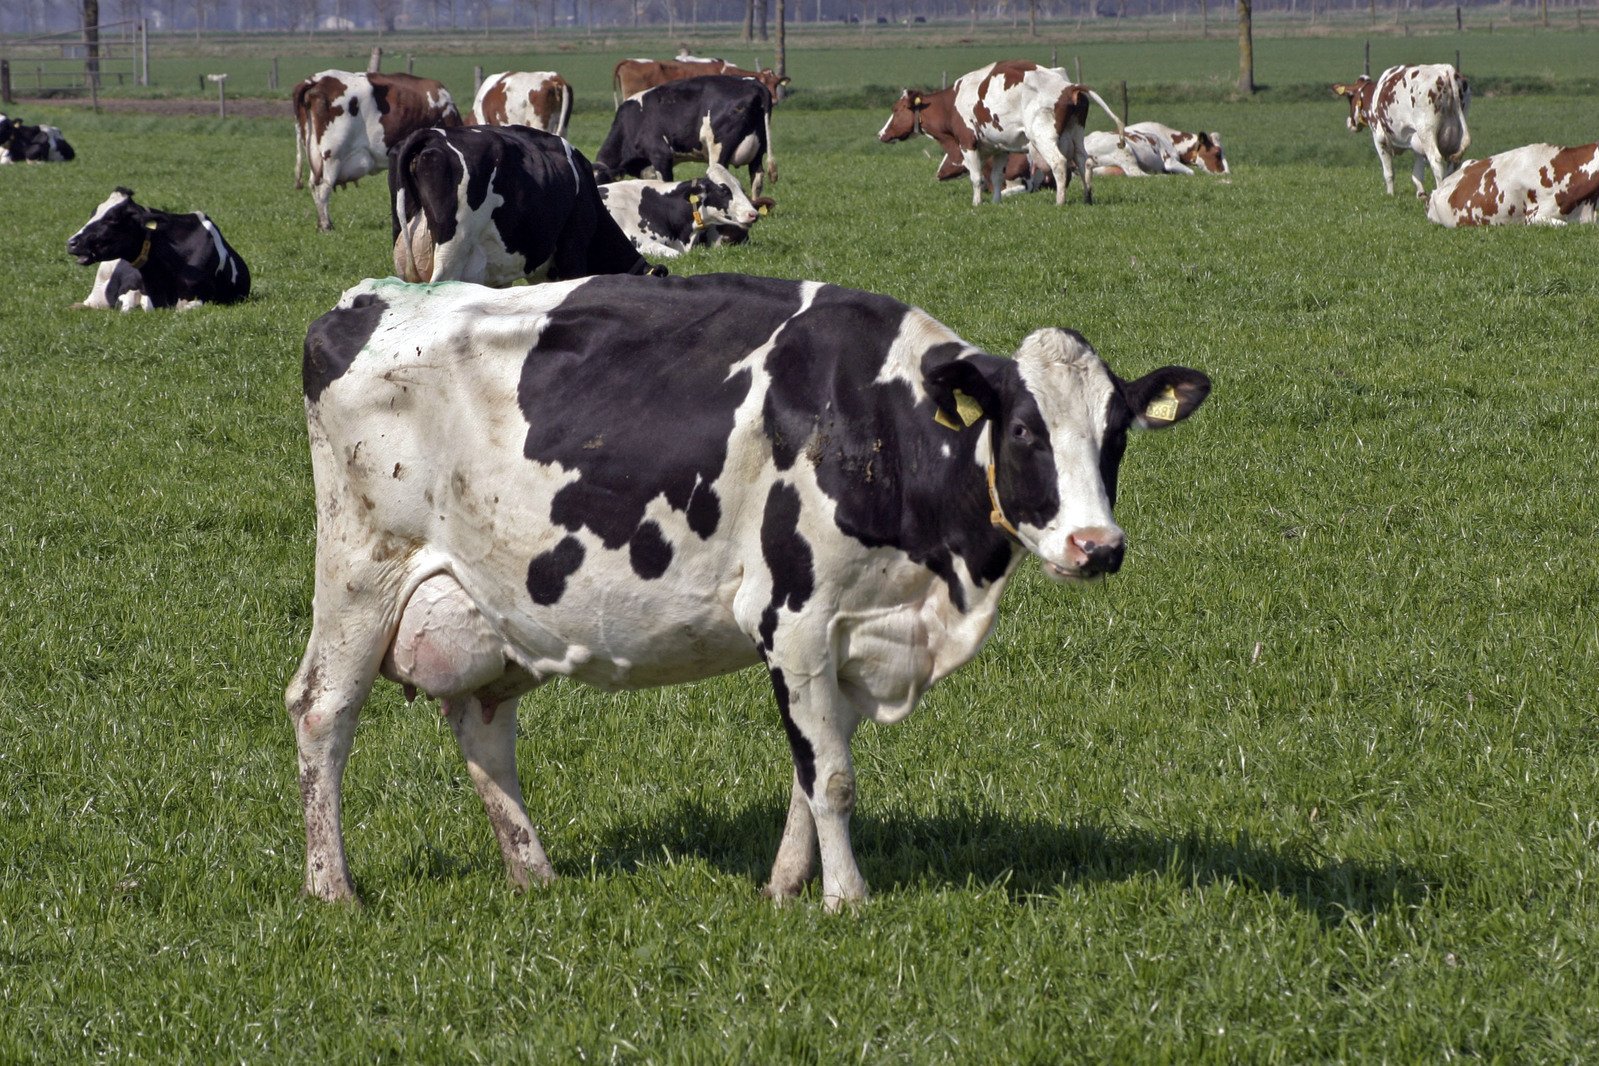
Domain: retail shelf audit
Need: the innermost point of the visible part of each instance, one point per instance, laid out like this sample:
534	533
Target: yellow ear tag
1164	407
150	225
693	197
967	408
763	211
699	222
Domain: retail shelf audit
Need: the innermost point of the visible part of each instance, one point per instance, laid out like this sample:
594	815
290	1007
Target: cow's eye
1020	433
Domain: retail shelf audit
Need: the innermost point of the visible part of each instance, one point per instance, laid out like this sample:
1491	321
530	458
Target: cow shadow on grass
1027	858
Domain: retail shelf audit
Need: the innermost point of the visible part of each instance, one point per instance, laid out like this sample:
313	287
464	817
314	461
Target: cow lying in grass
153	259
1540	184
20	143
667	218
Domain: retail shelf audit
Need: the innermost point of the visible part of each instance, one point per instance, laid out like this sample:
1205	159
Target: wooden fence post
5	81
272	82
1124	105
222	93
375	64
144	55
1368	57
410	64
477	79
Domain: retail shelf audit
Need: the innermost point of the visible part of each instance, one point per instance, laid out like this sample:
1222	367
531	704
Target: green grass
1314	778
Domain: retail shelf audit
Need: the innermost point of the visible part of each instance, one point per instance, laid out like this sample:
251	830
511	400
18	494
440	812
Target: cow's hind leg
487	735
324	700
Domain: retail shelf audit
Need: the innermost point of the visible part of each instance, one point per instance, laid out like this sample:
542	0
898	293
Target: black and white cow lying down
495	204
21	143
156	259
635	482
667	218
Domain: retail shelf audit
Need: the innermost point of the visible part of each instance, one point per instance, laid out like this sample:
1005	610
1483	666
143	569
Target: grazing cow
635	482
718	119
1419	109
495	204
1152	148
1540	184
667	218
347	124
633	76
20	143
157	259
541	99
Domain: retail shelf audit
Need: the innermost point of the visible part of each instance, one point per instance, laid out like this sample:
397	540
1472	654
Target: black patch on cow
547	573
804	754
788	557
666	215
876	449
649	551
355	105
1118	419
335	339
1025	476
630	386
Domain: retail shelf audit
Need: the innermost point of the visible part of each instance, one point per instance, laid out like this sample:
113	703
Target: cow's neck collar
996	513
144	249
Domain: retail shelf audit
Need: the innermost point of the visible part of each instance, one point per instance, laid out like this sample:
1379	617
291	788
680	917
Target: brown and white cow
1018	106
1540	184
541	99
346	124
633	76
1418	109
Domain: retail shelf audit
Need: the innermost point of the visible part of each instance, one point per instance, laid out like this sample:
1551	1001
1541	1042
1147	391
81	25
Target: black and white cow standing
21	143
495	204
157	259
635	482
667	218
717	119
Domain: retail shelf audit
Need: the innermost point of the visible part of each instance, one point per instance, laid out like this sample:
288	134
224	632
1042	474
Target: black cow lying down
634	482
157	259
21	143
667	218
494	204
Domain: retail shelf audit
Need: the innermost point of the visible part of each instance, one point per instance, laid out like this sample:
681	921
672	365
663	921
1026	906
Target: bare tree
91	40
782	41
1246	48
749	21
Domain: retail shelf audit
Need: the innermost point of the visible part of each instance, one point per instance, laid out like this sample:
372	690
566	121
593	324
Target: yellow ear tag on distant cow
916	102
150	225
967	408
763	210
1164	407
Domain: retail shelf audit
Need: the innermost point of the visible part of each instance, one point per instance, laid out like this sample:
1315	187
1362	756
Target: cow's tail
413	240
1460	88
1121	129
616	86
566	109
319	115
300	144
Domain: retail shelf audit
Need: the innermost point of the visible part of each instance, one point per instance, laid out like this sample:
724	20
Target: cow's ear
1166	396
1342	90
965	391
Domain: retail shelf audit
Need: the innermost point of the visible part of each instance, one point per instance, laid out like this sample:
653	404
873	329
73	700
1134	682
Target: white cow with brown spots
1417	109
1540	184
541	99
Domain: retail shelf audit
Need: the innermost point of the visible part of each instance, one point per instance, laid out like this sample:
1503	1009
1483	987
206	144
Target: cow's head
1359	96
8	126
906	118
718	200
120	229
1203	150
773	81
1056	421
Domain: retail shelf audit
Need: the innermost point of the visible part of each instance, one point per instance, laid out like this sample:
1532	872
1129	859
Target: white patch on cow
100	212
918	332
577	180
1072	388
223	258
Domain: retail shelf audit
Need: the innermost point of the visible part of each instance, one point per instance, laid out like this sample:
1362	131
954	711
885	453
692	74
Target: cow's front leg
820	723
796	853
487	736
321	192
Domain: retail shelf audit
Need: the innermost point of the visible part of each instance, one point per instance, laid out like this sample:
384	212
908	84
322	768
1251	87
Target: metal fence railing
73	63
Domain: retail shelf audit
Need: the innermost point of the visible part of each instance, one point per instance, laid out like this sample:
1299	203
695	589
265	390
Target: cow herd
632	480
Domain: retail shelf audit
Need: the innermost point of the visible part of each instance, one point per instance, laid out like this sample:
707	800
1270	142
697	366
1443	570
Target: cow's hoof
341	895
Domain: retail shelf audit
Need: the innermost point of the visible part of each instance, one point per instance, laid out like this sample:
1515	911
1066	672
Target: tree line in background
25	17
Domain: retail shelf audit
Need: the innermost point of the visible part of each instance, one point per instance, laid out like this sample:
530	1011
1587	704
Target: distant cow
666	218
495	204
1152	148
20	143
718	119
541	99
1419	109
157	259
633	76
347	124
1541	184
633	482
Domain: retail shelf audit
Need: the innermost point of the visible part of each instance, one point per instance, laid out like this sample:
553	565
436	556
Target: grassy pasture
1313	778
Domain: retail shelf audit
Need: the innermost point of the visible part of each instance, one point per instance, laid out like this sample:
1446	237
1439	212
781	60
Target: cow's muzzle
1090	553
